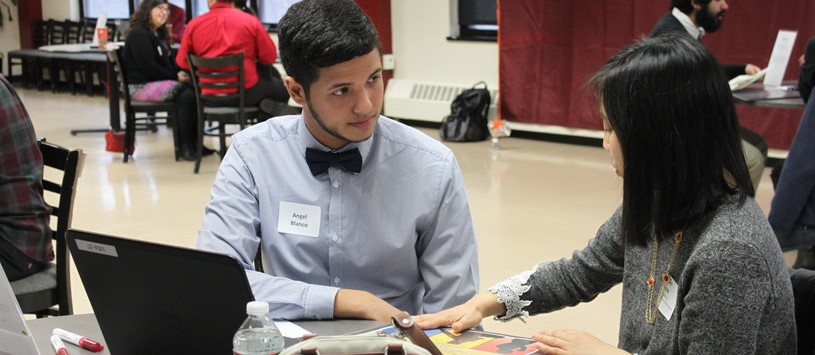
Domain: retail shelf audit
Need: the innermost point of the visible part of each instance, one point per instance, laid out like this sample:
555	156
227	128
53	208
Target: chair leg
199	149
222	140
172	123
130	134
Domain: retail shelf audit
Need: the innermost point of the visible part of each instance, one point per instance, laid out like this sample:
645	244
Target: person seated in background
270	73
25	236
357	215
806	78
224	31
792	213
152	75
700	267
697	18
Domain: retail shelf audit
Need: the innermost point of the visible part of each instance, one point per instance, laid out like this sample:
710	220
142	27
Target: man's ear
696	6
296	91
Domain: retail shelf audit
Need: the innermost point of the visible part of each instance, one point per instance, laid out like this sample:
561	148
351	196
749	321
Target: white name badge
668	302
299	219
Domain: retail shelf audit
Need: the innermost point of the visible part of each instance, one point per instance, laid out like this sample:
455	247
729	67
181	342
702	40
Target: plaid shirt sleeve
24	215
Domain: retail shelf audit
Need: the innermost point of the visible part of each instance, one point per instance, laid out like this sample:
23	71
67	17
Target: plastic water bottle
257	335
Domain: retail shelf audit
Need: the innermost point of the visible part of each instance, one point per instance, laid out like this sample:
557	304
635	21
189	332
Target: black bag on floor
467	121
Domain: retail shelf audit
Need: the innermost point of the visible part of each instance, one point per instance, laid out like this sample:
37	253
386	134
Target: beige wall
422	51
60	9
9	34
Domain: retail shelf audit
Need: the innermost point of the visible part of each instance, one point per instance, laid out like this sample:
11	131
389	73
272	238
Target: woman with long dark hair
700	267
153	74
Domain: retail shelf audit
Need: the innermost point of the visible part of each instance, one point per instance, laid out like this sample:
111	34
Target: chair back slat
56	32
51	186
225	76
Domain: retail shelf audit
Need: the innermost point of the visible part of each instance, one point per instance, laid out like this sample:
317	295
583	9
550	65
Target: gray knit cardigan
734	291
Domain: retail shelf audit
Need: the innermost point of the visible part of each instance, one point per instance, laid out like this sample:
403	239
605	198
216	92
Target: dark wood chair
132	107
224	72
40	293
29	59
57	34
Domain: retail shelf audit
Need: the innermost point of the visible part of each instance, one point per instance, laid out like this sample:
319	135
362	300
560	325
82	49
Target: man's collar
687	23
220	5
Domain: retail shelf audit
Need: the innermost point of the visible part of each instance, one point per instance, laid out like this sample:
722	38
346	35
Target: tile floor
530	200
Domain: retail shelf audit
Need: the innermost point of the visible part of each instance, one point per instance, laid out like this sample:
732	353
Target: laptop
15	336
157	299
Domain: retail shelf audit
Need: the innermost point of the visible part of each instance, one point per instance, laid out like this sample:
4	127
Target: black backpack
467	121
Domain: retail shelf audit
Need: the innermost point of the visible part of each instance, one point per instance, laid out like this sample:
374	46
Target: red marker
78	340
59	347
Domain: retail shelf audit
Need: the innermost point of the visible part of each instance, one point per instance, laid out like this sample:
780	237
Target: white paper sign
668	301
295	218
780	57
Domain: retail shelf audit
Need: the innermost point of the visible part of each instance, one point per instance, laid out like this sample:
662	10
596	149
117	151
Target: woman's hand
183	76
464	316
566	341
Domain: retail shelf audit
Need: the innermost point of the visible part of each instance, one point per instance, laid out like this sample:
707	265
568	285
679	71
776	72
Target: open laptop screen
151	298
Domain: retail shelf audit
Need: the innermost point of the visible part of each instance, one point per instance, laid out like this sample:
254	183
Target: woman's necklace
651	306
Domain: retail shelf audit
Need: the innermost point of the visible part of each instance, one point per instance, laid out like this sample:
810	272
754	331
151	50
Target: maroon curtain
548	48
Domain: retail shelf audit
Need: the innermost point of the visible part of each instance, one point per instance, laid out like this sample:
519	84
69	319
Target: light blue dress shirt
400	229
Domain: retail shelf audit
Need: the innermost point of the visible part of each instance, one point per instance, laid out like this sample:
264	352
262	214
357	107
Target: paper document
742	81
290	330
780	57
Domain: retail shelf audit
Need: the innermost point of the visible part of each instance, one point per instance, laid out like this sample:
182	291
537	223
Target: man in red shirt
225	30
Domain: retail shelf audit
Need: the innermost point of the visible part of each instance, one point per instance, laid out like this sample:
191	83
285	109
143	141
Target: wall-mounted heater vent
425	101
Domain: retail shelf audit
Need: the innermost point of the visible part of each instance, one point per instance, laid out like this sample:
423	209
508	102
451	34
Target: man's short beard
710	22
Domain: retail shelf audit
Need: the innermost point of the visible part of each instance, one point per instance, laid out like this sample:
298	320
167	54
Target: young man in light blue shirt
358	216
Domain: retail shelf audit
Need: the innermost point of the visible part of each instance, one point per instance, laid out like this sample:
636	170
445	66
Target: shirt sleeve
724	306
797	177
232	226
566	282
186	43
447	250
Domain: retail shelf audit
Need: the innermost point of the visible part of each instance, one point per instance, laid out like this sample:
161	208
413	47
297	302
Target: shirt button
337	280
335	237
336	184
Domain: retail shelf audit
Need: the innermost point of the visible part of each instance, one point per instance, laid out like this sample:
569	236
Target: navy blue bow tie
319	161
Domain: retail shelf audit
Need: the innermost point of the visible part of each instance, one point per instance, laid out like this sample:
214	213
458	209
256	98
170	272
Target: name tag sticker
299	219
668	302
104	249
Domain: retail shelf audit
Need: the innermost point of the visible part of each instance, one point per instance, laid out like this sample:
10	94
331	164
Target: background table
757	94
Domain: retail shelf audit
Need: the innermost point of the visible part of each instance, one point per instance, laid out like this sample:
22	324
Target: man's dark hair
686	6
670	106
141	18
317	34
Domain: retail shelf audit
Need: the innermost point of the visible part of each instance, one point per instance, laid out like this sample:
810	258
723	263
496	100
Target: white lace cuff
509	294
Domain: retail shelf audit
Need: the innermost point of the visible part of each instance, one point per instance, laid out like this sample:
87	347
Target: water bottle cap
257	308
